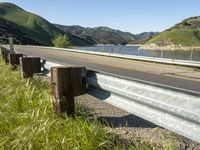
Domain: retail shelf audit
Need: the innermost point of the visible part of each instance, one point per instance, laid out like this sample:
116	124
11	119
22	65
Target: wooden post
14	59
6	55
29	66
67	82
11	44
2	51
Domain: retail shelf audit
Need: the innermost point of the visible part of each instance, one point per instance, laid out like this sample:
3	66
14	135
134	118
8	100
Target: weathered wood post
2	52
6	55
1	47
29	66
10	39
67	82
14	59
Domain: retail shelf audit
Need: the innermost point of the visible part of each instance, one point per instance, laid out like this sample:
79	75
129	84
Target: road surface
175	76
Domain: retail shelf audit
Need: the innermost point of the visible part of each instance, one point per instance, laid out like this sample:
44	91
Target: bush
61	41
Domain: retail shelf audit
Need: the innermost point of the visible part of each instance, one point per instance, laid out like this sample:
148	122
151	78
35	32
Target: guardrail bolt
29	66
67	82
14	60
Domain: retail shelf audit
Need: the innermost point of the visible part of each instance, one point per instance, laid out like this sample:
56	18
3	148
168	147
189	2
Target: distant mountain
105	35
34	26
183	35
99	35
146	35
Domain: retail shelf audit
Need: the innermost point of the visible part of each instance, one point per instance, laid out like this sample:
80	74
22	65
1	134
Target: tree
61	41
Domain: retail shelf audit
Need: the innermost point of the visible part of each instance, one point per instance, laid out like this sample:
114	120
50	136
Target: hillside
100	35
29	28
184	35
8	29
105	35
34	26
146	35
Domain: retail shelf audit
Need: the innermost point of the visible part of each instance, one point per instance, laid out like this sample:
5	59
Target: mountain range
29	28
33	26
105	35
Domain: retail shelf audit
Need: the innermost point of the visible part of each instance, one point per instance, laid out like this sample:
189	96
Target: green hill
35	26
100	35
39	31
105	35
8	29
183	35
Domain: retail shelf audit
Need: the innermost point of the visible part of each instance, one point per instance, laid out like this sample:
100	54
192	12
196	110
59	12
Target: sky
133	16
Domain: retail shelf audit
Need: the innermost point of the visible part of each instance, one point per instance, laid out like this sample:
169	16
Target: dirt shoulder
132	129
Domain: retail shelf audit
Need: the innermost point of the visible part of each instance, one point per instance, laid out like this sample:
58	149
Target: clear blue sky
127	15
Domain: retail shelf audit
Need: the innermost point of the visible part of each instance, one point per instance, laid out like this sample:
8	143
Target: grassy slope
8	29
27	120
184	33
34	26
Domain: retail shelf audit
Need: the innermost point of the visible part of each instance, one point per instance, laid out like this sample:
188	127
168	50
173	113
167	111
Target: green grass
185	37
185	33
27	119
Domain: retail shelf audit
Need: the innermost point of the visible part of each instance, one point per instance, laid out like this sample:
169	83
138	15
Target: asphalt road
60	57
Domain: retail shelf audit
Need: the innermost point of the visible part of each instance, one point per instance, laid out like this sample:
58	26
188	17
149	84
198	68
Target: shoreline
168	47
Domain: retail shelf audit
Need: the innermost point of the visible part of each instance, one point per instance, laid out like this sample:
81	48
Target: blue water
134	50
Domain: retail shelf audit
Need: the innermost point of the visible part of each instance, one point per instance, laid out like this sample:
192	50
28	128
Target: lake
134	50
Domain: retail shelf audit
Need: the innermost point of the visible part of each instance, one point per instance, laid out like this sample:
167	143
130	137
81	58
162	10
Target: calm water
133	50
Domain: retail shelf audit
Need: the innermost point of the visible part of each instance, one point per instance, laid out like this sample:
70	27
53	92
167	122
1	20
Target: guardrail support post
14	60
1	47
10	39
29	66
5	54
67	82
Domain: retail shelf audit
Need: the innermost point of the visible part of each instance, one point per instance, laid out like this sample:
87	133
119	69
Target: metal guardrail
175	109
169	108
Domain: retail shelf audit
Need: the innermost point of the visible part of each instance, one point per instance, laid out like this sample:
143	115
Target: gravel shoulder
133	129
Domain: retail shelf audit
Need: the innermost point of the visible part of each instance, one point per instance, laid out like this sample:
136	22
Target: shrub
61	41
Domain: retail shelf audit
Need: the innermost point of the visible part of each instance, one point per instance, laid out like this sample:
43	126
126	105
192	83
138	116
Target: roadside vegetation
27	119
61	41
